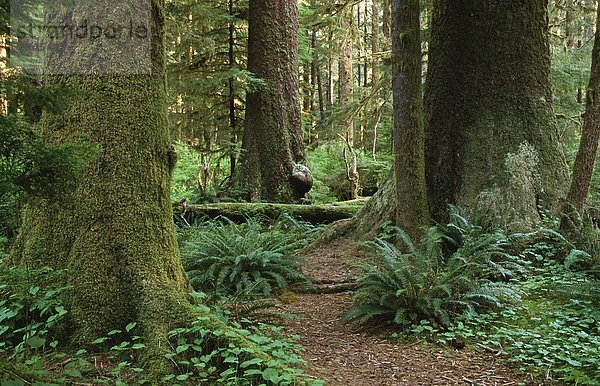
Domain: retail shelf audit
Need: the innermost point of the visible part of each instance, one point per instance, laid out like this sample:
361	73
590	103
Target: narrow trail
342	355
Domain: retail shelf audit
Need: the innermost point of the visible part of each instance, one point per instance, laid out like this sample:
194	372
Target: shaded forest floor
344	355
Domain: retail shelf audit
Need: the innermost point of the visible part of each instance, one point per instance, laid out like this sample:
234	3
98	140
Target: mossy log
316	214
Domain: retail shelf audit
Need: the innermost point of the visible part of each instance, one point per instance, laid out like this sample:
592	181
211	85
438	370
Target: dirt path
341	355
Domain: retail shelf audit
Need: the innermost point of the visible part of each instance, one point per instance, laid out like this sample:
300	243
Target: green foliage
31	314
326	163
199	360
554	332
455	270
30	310
224	258
29	166
584	234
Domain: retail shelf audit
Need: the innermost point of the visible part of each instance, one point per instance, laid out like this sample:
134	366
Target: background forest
483	260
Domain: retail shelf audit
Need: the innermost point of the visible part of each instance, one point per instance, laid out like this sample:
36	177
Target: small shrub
438	280
30	310
223	258
200	359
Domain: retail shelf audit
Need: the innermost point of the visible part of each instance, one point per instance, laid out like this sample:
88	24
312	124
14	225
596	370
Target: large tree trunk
491	132
272	143
590	135
113	232
412	213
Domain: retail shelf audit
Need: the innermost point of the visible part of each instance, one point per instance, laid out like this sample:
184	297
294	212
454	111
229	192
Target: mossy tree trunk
113	231
490	128
412	212
588	148
272	142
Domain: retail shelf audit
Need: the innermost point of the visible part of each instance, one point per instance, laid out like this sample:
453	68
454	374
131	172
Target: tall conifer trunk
491	130
272	143
588	148
114	231
409	136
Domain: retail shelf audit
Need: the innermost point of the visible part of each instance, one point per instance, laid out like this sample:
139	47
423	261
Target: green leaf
73	373
270	375
254	361
36	342
182	377
130	326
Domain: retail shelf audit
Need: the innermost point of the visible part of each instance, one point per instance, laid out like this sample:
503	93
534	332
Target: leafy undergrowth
253	259
33	319
553	333
532	298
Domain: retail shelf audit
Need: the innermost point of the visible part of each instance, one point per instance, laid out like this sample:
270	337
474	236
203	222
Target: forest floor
344	355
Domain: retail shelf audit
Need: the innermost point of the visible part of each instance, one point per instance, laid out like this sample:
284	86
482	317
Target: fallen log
315	214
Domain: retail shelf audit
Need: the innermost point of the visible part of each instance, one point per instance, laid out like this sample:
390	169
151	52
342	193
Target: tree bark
387	22
409	135
114	232
346	72
374	43
569	26
273	141
588	148
231	86
491	135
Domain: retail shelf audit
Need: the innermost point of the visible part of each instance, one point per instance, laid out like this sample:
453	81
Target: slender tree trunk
365	45
320	85
375	43
346	74
387	22
232	109
313	87
360	46
491	134
330	83
590	135
273	142
3	75
569	27
409	135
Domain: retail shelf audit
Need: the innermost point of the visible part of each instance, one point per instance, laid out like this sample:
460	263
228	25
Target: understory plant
31	311
223	258
553	333
230	353
456	269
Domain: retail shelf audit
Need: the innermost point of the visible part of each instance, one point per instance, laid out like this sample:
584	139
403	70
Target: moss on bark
316	214
488	93
412	212
272	142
